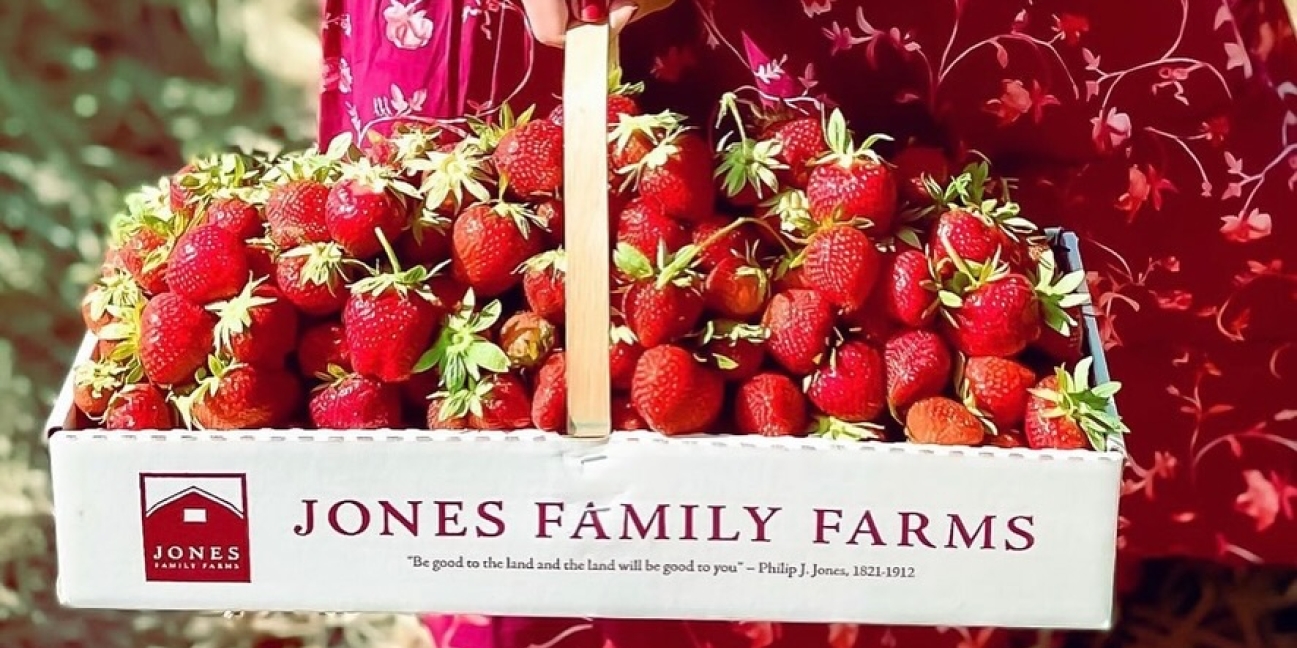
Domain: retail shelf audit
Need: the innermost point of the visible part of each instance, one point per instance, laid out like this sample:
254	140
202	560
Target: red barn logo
195	528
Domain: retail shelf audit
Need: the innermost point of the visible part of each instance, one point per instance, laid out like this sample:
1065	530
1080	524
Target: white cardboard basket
632	525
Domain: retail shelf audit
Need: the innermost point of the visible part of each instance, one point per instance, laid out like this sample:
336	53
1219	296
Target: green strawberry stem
828	427
1087	406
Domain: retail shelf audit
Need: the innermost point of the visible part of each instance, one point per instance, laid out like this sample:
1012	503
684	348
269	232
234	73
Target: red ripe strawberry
543	283
262	256
527	339
447	293
799	324
295	213
801	143
644	225
1063	348
852	385
673	393
842	264
941	421
1006	439
180	198
354	402
997	389
851	182
428	243
437	418
320	346
717	245
918	366
499	402
108	298
1060	308
735	349
1064	412
243	397
236	216
870	322
633	137
737	288
550	216
915	167
624	416
256	327
770	404
175	337
139	407
663	303
144	255
974	238
678	174
390	319
312	278
908	289
367	199
993	313
417	391
94	384
549	403
530	159
489	243
207	264
623	354
971	226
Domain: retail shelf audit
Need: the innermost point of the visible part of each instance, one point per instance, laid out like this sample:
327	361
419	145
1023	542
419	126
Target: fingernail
593	11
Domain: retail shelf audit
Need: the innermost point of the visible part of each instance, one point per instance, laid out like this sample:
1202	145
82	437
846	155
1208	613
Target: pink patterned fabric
1163	131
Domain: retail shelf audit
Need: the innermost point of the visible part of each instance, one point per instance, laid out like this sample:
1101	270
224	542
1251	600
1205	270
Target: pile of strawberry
787	281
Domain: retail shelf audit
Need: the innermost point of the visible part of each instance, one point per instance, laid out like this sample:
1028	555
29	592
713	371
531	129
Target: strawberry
677	173
207	264
633	137
549	403
623	354
236	216
644	225
841	263
463	352
498	402
181	199
996	388
453	176
1060	308
747	171
827	427
205	180
108	298
851	385
550	216
1061	348
918	366
354	402
139	407
527	339
262	256
734	348
870	322
1008	439
940	421
390	318
989	311
851	182
717	245
674	393
367	199
801	143
320	346
770	404
736	288
530	159
95	383
416	392
175	337
1064	412
295	213
144	255
312	278
237	396
428	243
799	323
972	226
916	166
256	327
624	416
490	242
543	284
908	288
663	303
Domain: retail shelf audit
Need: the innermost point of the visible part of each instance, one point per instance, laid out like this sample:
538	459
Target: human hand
550	19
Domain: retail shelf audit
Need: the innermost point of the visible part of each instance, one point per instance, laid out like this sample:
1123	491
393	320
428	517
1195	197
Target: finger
622	13
548	20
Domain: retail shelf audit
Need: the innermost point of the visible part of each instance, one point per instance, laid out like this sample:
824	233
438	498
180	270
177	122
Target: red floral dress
1163	131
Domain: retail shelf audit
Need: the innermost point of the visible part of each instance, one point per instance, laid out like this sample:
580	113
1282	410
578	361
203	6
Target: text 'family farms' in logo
195	528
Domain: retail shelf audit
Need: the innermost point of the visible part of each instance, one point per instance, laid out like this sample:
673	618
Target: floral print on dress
408	27
1163	132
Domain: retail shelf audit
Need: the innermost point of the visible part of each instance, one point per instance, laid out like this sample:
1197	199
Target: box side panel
539	525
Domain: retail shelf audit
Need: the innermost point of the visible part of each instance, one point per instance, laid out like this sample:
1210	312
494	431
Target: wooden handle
588	48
